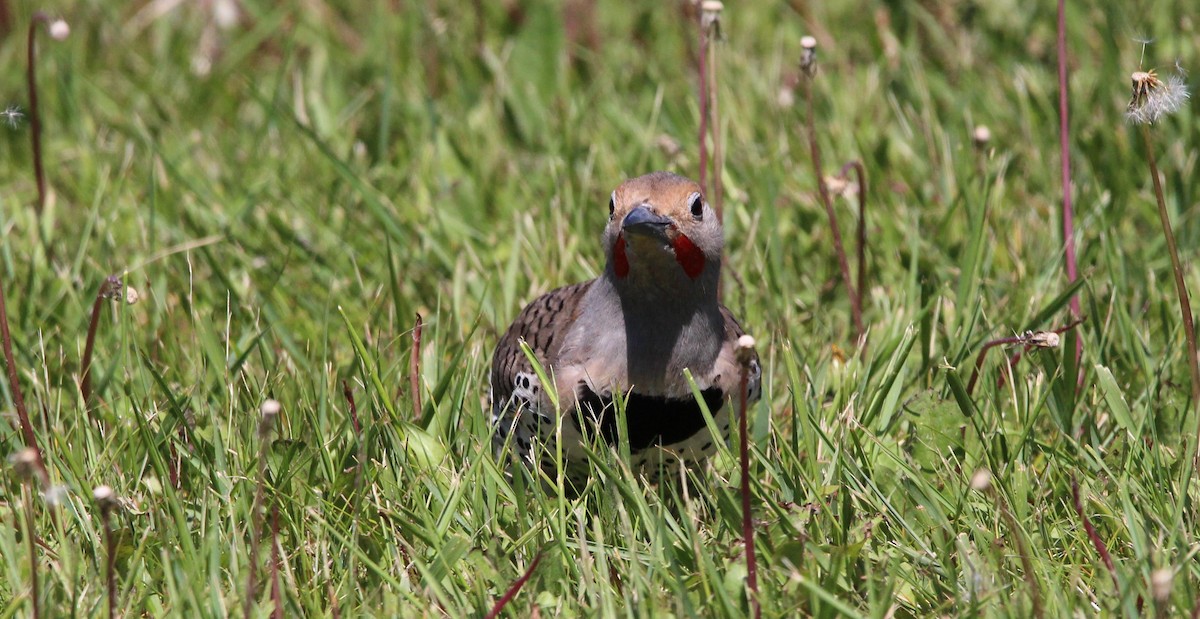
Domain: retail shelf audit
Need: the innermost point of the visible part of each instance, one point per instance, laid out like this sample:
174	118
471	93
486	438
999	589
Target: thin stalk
270	409
1064	152
744	461
823	189
111	284
861	242
30	534
1101	547
515	587
414	368
14	384
276	587
1185	305
718	191
703	71
35	119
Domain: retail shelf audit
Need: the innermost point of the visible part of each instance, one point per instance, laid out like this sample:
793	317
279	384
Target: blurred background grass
252	167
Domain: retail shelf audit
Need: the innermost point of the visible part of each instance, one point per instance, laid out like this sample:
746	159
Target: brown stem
276	588
1101	547
703	71
1185	305
715	107
35	120
1035	591
1012	362
14	384
747	519
110	561
414	368
1064	153
839	248
30	537
861	248
107	289
514	588
349	395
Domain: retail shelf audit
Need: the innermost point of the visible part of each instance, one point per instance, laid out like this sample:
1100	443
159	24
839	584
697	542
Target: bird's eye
612	206
697	206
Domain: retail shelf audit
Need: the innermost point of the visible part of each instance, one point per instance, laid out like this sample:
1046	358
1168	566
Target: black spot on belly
651	420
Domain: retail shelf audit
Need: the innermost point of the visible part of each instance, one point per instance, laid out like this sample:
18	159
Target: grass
335	173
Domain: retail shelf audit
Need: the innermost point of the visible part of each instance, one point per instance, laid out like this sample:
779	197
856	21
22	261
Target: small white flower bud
270	408
981	480
1161	582
981	135
103	494
59	30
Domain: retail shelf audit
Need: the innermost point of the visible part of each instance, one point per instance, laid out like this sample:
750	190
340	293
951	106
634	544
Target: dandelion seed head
981	480
1152	98
12	116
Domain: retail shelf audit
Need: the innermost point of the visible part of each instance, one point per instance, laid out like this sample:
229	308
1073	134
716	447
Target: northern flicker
631	331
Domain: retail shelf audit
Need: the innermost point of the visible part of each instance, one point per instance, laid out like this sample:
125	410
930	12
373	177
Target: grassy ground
333	173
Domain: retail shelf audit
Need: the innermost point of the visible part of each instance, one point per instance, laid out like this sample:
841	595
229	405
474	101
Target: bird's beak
641	220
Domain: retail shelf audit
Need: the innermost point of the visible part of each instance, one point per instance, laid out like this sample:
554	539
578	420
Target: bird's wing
543	324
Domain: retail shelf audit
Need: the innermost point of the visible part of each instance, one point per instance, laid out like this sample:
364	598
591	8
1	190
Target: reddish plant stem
14	384
1185	304
514	588
747	518
35	120
30	536
823	189
349	395
1101	547
861	248
703	71
276	588
1012	362
1064	150
715	107
111	284
110	561
414	368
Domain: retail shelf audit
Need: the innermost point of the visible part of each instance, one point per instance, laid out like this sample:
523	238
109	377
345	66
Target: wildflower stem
14	383
111	284
1185	305
414	368
744	461
703	71
515	587
35	120
30	536
823	190
718	189
1064	142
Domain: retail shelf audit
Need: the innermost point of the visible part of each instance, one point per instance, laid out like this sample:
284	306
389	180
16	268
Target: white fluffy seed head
712	6
982	135
1154	98
808	42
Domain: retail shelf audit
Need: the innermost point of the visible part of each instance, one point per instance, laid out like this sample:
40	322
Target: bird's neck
665	328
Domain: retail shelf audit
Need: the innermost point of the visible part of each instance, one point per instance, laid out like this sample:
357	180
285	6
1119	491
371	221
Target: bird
628	334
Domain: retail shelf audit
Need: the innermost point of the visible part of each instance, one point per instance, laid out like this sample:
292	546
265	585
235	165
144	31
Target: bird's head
661	231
